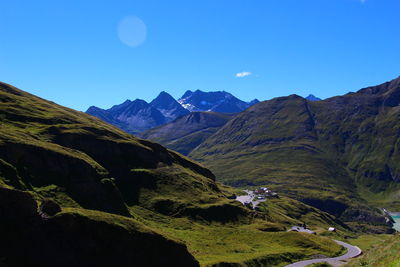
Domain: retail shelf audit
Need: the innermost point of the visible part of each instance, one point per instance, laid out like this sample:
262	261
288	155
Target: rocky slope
138	115
131	116
334	154
168	106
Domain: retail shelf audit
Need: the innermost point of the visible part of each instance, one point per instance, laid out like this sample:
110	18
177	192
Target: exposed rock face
168	106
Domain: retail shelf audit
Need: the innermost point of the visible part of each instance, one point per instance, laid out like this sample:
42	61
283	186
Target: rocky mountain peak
312	97
138	115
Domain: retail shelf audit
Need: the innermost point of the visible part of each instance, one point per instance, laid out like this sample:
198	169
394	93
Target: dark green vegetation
187	132
75	191
341	154
386	254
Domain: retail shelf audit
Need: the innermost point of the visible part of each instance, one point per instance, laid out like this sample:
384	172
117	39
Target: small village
259	195
254	198
264	192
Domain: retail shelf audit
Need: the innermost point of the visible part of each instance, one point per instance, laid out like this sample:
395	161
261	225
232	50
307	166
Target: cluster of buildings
302	228
263	192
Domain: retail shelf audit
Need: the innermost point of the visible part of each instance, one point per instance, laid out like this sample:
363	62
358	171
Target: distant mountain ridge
138	116
185	133
131	116
219	101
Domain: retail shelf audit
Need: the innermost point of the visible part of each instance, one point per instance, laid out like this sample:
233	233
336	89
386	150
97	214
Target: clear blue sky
72	52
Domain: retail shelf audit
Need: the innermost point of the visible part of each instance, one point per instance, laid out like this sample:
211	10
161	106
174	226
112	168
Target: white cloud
363	1
243	74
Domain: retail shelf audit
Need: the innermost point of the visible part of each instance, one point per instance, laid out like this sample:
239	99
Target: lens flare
132	31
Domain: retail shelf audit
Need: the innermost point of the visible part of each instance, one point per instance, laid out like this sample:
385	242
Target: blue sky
83	53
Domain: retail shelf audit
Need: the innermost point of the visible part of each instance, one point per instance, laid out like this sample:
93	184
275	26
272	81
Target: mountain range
77	191
347	146
138	115
187	132
299	145
334	154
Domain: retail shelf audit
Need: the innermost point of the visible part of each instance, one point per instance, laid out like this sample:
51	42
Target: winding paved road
352	252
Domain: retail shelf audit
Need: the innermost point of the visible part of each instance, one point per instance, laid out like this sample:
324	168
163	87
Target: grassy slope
368	242
386	254
277	145
361	131
103	153
257	239
299	147
287	156
213	243
97	173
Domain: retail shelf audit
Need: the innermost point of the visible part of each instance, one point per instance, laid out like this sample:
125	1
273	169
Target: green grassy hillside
386	254
257	240
340	154
78	159
75	191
